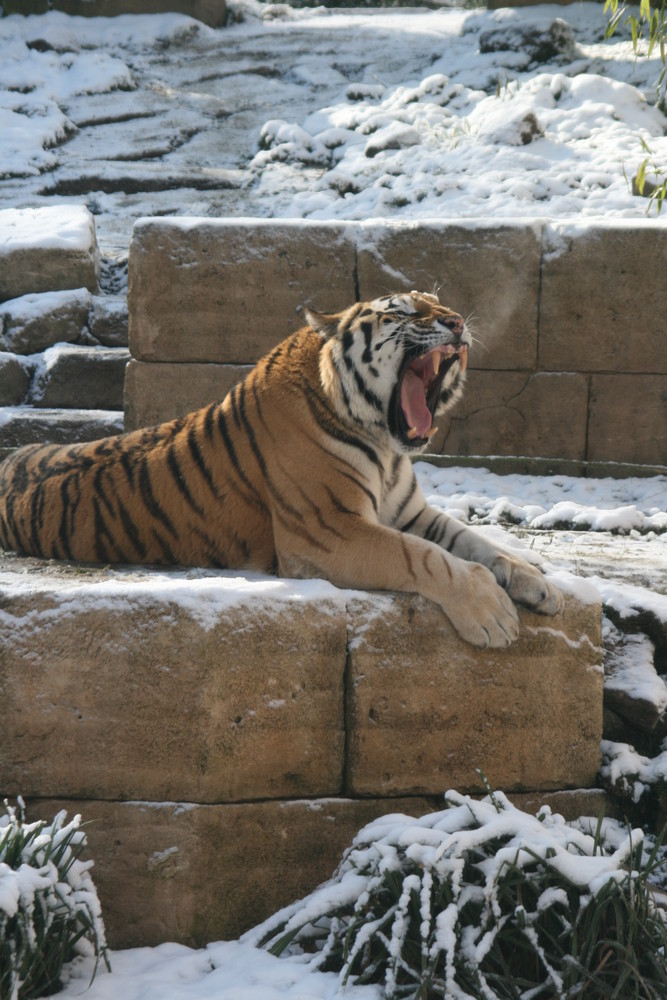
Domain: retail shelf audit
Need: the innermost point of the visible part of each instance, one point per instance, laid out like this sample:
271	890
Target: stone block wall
225	738
569	360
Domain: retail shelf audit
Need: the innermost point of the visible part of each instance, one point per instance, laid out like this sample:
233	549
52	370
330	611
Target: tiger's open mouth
419	383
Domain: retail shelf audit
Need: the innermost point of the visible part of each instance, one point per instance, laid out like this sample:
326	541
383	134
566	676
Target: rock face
125	690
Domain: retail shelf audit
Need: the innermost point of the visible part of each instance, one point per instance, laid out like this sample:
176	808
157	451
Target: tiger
303	470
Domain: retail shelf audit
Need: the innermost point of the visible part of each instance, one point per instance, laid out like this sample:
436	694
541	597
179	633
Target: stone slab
47	249
425	710
80	377
194	874
162	391
21	425
603	300
490	273
179	685
628	419
540	415
227	291
212	12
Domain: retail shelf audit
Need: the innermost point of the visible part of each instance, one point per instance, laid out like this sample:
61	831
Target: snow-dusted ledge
228	734
568	361
47	249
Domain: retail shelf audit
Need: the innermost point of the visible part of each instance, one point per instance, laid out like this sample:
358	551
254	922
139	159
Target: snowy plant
49	909
484	901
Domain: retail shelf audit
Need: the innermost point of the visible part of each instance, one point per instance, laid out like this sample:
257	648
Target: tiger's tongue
413	403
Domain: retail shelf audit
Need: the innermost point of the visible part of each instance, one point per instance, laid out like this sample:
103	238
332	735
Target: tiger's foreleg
375	557
524	583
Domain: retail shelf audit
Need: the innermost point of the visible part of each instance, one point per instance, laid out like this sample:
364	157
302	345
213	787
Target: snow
206	595
622	763
226	970
61	227
604	504
326	114
38	305
630	667
627	600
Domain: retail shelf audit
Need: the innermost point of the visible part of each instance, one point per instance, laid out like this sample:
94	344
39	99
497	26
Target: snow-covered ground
327	114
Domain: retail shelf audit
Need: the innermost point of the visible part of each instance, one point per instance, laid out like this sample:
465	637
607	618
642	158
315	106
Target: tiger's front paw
482	613
527	585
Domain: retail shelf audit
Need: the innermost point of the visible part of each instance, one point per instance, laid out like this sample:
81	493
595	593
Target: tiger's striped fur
302	470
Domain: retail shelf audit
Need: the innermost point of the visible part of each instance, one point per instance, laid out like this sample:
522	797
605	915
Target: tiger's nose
453	323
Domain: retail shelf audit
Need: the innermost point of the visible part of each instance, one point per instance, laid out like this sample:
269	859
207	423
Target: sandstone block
190	686
628	419
602	303
182	872
14	379
425	710
47	249
108	321
34	322
80	377
541	415
491	273
227	291
158	392
212	12
25	425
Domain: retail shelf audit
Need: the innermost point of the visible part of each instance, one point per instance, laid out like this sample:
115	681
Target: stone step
174	871
34	322
212	12
47	249
21	425
280	714
77	377
62	345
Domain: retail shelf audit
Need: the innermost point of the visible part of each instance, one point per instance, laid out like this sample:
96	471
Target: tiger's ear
323	323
